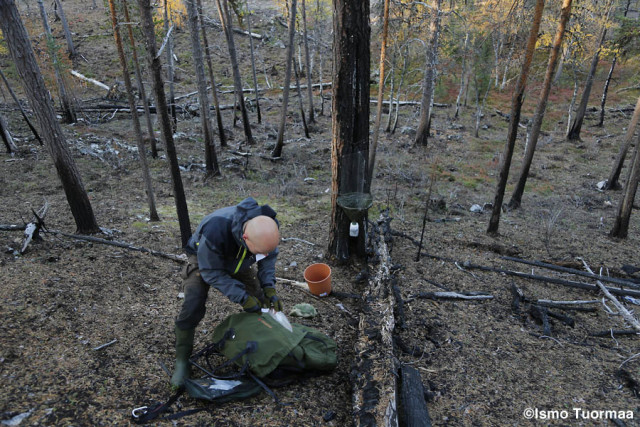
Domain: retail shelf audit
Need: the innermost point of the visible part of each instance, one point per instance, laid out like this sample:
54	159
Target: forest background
455	73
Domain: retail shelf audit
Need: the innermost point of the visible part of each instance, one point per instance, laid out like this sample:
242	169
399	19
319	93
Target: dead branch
621	308
87	79
617	281
611	332
453	295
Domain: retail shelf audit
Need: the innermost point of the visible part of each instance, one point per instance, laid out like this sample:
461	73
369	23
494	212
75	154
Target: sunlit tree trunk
383	56
225	19
214	88
66	99
253	65
350	120
307	62
429	83
141	89
576	125
277	151
211	159
516	197
17	41
151	199
167	131
516	106
614	176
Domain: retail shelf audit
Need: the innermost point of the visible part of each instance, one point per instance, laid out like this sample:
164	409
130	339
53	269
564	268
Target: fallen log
453	295
548	266
611	332
413	408
373	377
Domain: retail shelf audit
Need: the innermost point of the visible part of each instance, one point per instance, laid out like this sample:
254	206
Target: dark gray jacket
222	252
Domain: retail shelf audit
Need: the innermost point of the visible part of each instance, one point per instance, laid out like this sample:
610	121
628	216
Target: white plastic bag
280	317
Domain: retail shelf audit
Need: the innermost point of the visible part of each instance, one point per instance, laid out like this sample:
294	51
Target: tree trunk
304	120
307	57
225	19
516	105
66	102
462	74
24	113
170	69
6	136
428	85
576	126
277	151
392	88
614	176
621	225
603	102
24	59
516	197
402	76
253	64
211	159
350	120
65	27
151	199
167	131
143	92
214	88
376	126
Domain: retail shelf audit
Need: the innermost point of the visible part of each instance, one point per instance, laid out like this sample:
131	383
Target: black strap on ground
145	414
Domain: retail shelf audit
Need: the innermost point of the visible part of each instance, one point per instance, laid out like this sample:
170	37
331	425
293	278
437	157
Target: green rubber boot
184	346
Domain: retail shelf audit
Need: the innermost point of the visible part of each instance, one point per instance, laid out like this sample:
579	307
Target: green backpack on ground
260	344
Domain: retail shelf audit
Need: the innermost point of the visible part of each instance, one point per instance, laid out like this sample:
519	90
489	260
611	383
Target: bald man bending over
221	253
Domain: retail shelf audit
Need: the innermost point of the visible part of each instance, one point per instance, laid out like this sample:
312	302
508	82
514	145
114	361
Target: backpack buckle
139	412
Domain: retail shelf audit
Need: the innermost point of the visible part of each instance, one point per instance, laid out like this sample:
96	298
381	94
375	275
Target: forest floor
483	362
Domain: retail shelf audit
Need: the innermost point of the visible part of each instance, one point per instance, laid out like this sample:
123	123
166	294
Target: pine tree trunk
253	65
277	151
304	120
621	225
141	89
151	199
170	69
516	197
376	126
6	137
462	74
392	88
214	88
67	33
211	159
24	113
167	130
66	101
576	126
350	119
516	106
614	176
225	19
428	85
307	57
19	46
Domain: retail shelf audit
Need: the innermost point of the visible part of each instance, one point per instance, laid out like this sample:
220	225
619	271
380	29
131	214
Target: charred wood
413	408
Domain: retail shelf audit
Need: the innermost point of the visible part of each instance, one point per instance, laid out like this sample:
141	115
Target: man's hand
251	305
272	300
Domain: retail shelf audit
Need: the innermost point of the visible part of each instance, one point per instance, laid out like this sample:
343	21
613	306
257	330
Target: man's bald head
261	234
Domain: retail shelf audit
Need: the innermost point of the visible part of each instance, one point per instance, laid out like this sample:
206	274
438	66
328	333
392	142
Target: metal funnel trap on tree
355	205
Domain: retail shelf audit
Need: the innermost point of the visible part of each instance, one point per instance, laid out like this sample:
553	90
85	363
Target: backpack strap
144	414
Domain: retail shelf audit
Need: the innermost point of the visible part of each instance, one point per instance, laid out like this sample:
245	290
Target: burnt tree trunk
24	59
214	88
67	32
621	225
516	106
225	19
614	176
376	126
151	199
211	160
141	89
307	57
429	83
516	197
170	68
350	119
167	131
24	113
576	126
277	151
6	136
253	65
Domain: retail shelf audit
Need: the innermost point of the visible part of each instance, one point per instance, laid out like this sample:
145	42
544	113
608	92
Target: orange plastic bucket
318	277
